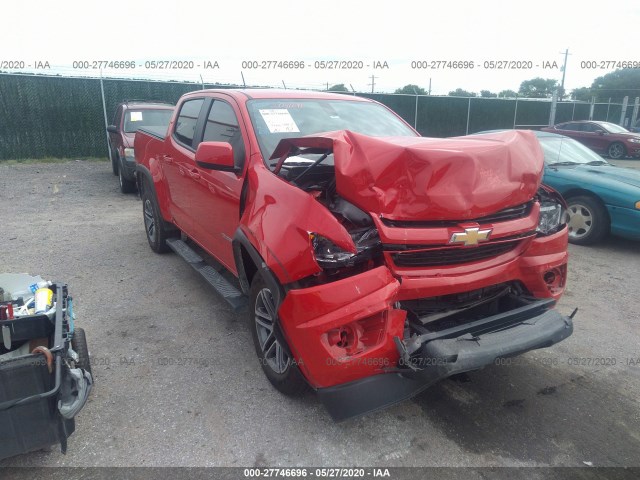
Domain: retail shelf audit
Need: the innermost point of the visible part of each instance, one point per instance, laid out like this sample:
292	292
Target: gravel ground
177	381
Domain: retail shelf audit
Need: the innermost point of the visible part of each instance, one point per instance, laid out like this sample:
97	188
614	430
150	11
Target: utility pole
564	72
373	82
243	82
429	85
285	87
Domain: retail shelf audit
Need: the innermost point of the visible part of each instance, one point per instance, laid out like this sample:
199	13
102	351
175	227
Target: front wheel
588	220
154	225
114	161
277	364
126	186
616	151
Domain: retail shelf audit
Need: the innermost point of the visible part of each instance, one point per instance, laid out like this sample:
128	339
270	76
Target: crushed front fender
344	330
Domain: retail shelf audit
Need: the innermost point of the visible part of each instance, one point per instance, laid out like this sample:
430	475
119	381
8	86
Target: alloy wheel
265	315
149	220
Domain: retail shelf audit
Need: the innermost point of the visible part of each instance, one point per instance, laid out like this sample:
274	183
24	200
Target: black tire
79	345
154	225
588	220
616	151
126	186
277	365
114	161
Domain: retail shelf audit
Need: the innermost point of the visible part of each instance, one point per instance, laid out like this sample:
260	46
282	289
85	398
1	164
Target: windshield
134	119
566	150
612	127
275	119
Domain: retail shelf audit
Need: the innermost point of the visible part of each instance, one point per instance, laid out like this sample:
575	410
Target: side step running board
231	294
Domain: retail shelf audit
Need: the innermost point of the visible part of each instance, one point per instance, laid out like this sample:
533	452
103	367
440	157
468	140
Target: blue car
601	197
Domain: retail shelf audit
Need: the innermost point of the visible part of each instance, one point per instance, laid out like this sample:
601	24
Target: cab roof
243	94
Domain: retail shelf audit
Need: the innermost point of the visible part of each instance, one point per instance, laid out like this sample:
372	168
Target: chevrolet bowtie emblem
471	236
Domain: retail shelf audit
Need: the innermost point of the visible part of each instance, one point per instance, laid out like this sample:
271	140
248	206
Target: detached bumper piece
42	384
439	355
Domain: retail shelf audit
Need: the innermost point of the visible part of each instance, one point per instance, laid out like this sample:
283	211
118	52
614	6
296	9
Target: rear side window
222	126
571	126
187	120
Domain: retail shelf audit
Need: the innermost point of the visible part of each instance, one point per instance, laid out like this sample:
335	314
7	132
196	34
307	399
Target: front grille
452	255
511	213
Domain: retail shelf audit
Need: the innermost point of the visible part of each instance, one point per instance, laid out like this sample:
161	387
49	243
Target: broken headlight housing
329	255
552	212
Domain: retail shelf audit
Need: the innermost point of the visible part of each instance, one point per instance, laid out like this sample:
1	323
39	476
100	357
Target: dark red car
131	115
374	261
602	137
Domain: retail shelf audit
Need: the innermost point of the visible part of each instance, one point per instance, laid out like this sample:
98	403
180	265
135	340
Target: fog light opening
555	279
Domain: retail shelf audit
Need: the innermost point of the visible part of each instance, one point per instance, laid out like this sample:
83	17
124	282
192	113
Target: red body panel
402	179
121	140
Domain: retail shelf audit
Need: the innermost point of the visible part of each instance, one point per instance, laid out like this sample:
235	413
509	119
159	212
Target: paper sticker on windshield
279	120
136	116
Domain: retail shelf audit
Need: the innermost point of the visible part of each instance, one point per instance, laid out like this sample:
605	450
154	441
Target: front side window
591	128
222	126
574	127
185	128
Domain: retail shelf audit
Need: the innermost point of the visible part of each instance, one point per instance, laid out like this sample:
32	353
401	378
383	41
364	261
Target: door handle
194	174
167	158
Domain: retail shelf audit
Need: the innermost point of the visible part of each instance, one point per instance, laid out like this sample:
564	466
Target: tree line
615	86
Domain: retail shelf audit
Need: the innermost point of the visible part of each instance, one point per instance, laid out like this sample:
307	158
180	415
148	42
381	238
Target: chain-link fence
44	116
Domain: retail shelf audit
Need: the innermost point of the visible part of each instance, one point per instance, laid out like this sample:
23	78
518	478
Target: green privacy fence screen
43	116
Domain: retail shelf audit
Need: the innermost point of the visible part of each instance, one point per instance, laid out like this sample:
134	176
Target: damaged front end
440	259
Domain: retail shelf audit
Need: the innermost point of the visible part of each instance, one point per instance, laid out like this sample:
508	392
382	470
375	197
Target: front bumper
442	358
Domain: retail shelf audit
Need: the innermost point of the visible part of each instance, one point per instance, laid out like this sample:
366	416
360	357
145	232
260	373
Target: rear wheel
616	150
588	220
276	362
154	225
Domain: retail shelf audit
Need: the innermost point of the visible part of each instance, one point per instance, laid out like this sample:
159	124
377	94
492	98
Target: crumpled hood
416	178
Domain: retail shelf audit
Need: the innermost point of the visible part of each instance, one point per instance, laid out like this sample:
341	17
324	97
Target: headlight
129	154
634	140
552	216
329	255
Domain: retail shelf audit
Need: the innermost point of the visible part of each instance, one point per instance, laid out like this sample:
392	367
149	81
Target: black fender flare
240	240
142	171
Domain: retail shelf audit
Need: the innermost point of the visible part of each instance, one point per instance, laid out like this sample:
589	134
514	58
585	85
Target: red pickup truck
375	262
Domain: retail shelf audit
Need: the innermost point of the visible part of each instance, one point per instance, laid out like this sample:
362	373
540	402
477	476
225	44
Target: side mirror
215	156
600	132
112	129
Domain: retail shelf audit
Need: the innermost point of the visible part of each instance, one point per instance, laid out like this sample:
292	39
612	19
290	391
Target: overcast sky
397	32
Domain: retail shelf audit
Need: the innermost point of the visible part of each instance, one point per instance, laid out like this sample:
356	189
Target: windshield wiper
597	162
563	163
